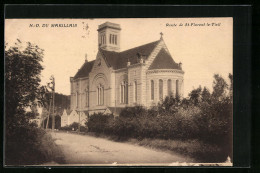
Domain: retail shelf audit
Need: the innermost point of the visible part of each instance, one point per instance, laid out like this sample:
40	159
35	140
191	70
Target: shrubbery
74	127
29	145
203	116
24	143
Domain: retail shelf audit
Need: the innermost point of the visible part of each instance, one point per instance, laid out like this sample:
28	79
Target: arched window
152	90
124	92
161	89
115	39
100	94
135	91
77	103
177	88
86	97
169	83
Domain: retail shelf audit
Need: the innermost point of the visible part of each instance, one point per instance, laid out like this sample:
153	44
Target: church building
143	75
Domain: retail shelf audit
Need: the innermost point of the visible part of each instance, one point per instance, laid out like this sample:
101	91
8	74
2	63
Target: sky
203	45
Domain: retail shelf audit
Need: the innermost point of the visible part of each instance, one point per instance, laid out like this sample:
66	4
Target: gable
163	60
100	62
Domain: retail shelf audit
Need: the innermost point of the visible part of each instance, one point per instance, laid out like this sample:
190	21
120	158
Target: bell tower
109	36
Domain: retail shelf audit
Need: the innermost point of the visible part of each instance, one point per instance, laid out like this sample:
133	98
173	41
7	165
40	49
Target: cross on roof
161	35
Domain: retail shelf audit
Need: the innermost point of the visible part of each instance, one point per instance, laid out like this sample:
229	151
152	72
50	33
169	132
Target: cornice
164	70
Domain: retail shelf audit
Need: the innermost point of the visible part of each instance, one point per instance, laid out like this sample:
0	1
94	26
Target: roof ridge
139	46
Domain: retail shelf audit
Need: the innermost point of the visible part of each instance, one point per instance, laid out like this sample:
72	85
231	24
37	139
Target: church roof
119	60
84	70
163	60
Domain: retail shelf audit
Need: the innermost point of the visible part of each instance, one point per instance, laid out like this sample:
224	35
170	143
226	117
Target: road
89	150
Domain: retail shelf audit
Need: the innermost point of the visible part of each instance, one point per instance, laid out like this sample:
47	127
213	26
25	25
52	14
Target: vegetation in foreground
199	126
24	143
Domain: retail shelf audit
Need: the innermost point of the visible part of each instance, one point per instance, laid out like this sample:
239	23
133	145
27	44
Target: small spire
161	35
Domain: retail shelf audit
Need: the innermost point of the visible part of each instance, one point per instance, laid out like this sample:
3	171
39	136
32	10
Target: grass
194	148
200	151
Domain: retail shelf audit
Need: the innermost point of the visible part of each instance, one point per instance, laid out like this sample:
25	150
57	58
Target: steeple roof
163	60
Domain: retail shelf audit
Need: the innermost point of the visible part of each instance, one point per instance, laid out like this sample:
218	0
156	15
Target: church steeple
109	36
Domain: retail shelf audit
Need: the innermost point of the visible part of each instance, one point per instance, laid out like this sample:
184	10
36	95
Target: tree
195	95
22	81
205	95
219	87
230	76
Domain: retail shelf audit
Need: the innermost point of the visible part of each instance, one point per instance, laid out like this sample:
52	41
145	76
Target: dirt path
79	149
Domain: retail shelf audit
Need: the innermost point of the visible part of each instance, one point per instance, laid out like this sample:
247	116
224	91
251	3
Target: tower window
103	39
113	39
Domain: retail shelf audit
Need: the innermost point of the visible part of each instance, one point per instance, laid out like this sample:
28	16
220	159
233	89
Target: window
112	39
124	92
135	91
177	88
77	99
86	94
152	90
103	39
169	83
161	89
100	95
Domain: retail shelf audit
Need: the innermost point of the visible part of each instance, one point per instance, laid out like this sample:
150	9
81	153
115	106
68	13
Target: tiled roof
164	61
84	70
119	60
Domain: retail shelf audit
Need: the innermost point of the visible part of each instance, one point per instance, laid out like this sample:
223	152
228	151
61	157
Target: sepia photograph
119	92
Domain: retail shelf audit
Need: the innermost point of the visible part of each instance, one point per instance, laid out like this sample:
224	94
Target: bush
28	145
100	123
74	127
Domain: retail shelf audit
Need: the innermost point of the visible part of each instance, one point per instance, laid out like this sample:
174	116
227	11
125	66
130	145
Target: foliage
195	95
203	116
24	143
57	122
219	87
99	123
28	145
74	127
22	78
